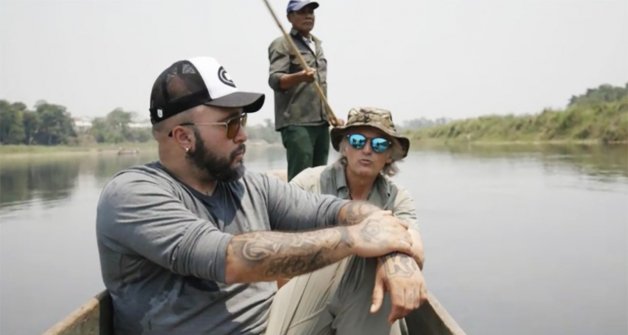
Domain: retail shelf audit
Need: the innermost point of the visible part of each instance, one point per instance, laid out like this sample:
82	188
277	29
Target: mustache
239	151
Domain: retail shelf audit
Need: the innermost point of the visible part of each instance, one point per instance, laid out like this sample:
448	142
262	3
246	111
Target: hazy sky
421	58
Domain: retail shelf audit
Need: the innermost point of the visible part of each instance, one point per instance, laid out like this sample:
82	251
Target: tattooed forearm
290	266
271	255
399	265
356	211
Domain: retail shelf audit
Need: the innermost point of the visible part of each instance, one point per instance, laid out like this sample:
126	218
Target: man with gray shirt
193	243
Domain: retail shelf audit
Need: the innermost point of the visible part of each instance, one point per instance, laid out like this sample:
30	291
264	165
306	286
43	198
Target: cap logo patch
224	77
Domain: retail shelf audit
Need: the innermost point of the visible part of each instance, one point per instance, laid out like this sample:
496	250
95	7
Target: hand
417	248
380	233
400	276
308	75
337	122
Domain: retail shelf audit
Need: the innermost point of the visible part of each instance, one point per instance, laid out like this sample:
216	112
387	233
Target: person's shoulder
131	177
278	42
311	172
254	178
309	178
316	39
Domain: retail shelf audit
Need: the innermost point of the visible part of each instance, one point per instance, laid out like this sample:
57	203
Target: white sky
418	58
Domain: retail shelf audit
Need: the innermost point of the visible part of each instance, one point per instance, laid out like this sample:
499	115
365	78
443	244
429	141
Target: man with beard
191	244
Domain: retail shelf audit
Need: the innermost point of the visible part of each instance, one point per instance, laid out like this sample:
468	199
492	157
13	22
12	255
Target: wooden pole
330	113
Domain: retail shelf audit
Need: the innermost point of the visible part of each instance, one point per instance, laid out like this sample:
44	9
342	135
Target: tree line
598	114
51	124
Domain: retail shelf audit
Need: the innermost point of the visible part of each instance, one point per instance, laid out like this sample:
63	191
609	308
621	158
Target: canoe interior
95	317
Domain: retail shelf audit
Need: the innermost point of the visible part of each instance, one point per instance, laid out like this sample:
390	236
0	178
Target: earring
187	149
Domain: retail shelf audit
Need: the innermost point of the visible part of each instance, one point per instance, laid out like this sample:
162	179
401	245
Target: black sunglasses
232	125
378	144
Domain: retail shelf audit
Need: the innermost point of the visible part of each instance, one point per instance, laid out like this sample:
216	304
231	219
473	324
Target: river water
519	239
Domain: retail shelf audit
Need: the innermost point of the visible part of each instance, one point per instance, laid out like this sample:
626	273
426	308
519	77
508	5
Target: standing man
299	110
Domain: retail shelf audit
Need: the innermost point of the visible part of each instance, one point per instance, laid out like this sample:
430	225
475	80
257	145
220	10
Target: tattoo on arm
356	211
290	254
399	265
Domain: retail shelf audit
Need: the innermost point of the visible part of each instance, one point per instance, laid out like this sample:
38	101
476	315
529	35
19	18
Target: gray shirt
385	194
162	248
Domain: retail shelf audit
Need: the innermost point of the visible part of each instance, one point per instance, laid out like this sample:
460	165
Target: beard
216	168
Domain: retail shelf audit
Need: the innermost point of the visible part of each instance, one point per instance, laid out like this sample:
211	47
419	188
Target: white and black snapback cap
198	81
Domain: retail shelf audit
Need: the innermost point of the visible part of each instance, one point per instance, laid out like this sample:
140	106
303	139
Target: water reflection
601	162
46	179
53	178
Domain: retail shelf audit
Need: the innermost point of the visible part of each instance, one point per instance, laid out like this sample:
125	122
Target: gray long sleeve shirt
163	245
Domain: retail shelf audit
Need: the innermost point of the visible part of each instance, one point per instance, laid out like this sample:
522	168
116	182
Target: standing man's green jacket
299	105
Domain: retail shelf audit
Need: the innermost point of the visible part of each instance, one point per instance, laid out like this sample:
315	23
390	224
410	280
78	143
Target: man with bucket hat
193	243
369	146
299	110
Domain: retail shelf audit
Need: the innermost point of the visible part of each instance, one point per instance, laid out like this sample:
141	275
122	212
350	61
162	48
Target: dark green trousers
306	146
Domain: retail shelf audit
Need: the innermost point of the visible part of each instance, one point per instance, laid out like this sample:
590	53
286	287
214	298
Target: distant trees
265	132
54	125
116	128
423	123
12	122
604	93
51	124
598	114
48	124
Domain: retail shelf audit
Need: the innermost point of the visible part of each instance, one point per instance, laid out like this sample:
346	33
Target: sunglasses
378	144
232	125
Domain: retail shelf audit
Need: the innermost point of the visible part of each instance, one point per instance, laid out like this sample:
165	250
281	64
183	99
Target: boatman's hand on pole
308	75
337	122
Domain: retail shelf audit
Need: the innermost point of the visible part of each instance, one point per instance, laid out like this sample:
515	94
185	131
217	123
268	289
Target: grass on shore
12	151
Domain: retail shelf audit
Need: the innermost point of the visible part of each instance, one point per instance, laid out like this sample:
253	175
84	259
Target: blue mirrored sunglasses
378	144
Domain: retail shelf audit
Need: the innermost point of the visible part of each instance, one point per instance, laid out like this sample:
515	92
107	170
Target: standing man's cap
295	5
370	117
198	81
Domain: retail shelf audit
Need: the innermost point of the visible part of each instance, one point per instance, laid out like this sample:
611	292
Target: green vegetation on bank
599	115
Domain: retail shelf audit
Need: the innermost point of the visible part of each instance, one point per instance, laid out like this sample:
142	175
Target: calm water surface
519	240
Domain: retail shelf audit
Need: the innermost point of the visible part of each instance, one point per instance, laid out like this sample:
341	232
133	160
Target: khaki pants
332	300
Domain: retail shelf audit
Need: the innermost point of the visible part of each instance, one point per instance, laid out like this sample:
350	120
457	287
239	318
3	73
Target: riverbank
128	148
439	142
24	151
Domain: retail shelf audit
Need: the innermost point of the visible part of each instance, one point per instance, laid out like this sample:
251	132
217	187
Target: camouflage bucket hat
370	117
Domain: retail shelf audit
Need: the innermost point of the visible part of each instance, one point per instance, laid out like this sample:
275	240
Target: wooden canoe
95	317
